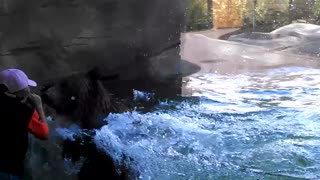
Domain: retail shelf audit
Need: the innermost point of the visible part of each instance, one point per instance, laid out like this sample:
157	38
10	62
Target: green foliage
198	17
316	12
267	15
316	8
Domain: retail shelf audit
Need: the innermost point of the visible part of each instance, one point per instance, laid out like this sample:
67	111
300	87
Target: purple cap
15	80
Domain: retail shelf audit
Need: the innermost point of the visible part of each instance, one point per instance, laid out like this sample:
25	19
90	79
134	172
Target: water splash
139	95
256	126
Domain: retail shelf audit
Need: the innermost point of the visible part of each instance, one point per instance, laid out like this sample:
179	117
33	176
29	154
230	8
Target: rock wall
54	38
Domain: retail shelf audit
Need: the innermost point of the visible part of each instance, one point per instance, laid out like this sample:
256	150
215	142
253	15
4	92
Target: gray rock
54	38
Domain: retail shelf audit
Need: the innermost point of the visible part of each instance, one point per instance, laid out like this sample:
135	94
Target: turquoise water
258	125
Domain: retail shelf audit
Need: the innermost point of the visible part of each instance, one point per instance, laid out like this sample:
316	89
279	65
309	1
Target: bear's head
82	99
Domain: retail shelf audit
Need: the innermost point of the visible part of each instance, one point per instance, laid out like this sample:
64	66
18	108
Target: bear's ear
98	74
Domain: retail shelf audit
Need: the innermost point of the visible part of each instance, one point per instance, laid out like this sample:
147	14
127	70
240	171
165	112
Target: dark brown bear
83	100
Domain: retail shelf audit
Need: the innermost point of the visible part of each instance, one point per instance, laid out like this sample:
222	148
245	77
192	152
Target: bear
82	99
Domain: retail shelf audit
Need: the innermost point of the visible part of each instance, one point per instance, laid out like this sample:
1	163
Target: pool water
257	125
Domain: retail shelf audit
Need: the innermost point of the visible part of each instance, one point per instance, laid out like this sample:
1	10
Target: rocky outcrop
54	38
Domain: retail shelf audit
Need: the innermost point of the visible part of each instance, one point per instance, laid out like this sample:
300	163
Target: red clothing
37	128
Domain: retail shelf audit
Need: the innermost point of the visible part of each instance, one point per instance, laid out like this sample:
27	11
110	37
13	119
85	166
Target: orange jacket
37	128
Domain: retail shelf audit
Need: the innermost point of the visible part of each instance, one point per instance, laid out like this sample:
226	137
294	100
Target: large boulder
53	38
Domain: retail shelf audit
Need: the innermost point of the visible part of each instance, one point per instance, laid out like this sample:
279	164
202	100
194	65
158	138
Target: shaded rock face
53	38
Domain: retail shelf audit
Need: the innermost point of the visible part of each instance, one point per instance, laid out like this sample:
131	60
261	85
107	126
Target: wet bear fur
82	99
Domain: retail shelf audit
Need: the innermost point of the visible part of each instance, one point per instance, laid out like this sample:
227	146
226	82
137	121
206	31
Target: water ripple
262	125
